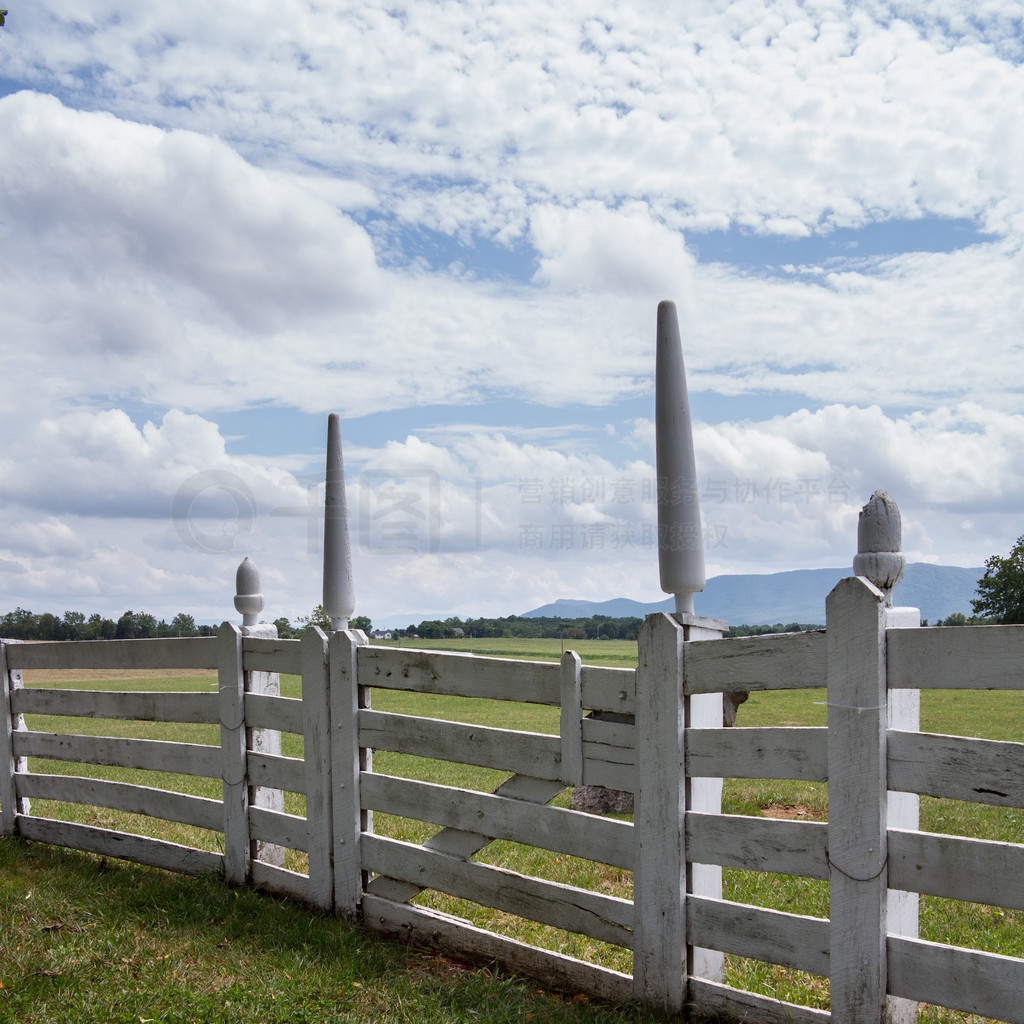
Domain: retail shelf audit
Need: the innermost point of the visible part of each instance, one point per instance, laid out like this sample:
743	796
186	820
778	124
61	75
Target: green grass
612	653
87	940
991	715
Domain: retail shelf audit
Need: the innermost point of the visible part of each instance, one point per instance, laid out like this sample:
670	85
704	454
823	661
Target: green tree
361	622
284	628
183	624
1001	589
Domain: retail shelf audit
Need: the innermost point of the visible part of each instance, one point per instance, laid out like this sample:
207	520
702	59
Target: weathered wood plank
987	984
608	689
606	918
981	771
234	784
316	700
271	654
659	877
121	796
956	657
288	773
278	828
759	844
148	755
263	711
571	719
855	614
192	708
456	842
349	699
710	1000
9	764
455	937
779	661
975	870
525	753
458	674
198	652
774	752
497	817
280	880
157	853
773	936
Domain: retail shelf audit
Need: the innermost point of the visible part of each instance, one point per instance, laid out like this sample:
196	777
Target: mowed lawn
989	715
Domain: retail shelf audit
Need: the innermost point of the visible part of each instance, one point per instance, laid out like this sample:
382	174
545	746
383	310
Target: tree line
1000	600
25	625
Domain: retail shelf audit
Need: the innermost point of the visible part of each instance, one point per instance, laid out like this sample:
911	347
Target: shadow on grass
87	939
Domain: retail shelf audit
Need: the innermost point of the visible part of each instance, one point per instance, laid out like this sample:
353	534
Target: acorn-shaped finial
879	544
248	599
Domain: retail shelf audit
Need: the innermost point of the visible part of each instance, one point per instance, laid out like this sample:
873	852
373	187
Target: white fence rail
871	754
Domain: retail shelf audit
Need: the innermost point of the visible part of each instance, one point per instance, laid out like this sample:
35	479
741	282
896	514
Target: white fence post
10	805
316	709
348	760
880	559
231	682
857	816
249	601
659	874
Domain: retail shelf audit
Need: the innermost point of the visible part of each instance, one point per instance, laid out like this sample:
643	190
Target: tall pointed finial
680	539
879	544
339	593
248	599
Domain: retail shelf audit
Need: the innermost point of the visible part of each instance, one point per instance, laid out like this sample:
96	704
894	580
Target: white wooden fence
871	753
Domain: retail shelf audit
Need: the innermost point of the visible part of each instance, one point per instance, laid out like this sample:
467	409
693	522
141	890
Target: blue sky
452	225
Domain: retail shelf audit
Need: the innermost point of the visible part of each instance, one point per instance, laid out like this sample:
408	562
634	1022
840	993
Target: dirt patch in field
792	812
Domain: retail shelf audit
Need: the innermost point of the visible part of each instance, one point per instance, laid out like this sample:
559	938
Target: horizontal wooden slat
455	937
181	652
263	711
779	661
148	755
955	657
713	1001
608	689
791	940
276	772
280	880
779	752
524	753
120	796
758	844
982	771
606	918
278	828
551	828
975	870
190	707
609	758
458	674
962	979
142	849
260	654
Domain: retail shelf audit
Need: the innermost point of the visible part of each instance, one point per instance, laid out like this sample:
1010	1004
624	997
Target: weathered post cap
680	538
339	591
879	544
248	599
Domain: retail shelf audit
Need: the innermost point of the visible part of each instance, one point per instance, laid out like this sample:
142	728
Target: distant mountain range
797	596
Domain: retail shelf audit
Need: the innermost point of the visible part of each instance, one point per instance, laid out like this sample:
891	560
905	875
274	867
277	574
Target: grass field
994	716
